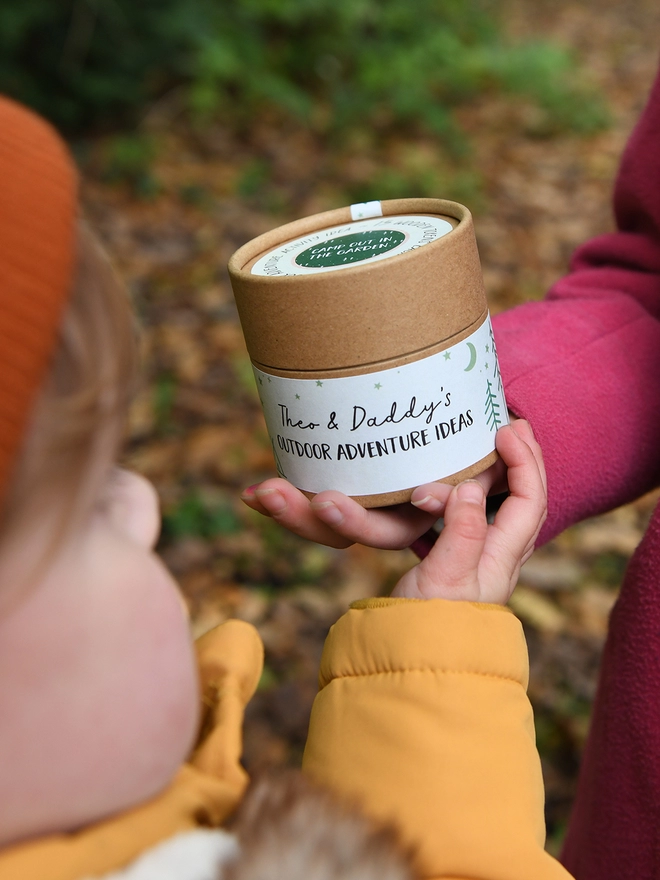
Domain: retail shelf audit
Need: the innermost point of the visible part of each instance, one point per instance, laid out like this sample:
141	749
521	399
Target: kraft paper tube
369	333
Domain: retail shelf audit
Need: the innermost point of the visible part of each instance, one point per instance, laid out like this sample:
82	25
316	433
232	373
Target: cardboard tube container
371	343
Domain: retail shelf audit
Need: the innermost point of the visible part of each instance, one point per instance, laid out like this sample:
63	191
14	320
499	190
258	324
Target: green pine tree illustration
496	367
492	410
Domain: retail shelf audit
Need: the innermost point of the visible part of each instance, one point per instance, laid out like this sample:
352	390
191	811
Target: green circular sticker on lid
340	247
350	248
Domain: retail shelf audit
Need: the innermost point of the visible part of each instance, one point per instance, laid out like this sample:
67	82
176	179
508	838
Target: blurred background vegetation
337	65
199	124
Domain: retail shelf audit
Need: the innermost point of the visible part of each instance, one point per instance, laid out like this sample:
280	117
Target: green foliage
254	178
424	180
335	65
269	679
91	61
129	158
244	374
194	516
543	72
164	395
609	568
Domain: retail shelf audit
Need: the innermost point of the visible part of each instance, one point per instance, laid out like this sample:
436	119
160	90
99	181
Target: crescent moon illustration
473	358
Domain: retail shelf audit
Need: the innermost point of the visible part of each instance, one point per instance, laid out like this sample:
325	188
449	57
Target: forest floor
172	205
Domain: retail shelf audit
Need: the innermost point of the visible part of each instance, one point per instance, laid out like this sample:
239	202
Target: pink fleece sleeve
584	364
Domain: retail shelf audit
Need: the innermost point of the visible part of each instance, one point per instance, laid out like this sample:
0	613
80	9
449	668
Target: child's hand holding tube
472	560
338	521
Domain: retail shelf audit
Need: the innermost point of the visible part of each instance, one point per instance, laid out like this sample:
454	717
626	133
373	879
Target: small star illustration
269	379
487	348
486	365
319	383
297	397
447	355
378	386
261	381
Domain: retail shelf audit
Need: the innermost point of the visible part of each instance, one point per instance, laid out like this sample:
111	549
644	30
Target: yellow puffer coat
422	718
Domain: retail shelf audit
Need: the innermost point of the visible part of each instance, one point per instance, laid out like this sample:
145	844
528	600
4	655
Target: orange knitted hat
38	207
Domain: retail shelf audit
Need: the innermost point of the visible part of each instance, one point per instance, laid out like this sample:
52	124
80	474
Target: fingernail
249	492
272	500
429	504
470	490
329	511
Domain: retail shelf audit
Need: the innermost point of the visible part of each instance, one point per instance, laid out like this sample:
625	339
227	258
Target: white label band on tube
351	244
388	430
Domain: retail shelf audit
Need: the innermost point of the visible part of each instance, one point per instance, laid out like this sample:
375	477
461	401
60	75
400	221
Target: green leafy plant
335	65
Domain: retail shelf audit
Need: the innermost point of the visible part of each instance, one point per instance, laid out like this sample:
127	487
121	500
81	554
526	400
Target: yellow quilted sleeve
423	719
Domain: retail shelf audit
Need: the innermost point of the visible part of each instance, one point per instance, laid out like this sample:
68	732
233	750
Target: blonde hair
78	419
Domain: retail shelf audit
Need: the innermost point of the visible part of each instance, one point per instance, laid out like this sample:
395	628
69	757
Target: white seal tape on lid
365	210
388	430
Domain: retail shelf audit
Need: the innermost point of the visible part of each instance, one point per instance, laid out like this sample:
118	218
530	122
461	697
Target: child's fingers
431	497
519	520
337	520
287	505
451	569
249	498
390	528
524	430
526	473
